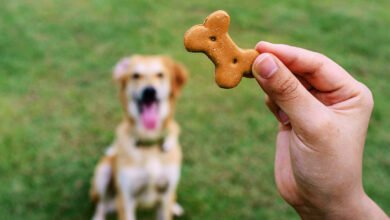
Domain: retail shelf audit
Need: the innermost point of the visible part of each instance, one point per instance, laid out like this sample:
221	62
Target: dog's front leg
169	142
126	203
172	138
100	183
126	207
164	211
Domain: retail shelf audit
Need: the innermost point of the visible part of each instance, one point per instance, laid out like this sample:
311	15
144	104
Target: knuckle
288	89
321	57
367	98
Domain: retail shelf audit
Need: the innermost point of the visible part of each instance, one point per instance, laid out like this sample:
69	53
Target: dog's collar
151	142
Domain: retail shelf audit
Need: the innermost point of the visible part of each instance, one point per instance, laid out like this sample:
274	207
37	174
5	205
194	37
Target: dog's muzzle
148	108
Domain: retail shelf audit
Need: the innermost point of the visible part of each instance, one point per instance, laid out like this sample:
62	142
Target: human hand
324	114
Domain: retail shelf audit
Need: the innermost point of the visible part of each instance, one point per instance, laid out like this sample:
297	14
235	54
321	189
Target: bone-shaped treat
212	38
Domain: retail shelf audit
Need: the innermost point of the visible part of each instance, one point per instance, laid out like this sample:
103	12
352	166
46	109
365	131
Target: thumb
286	91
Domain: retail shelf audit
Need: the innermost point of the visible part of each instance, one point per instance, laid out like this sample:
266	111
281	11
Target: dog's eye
160	75
136	76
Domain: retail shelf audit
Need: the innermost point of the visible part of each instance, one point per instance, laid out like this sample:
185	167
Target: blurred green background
59	106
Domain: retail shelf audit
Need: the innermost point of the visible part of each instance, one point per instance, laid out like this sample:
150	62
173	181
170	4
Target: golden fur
142	176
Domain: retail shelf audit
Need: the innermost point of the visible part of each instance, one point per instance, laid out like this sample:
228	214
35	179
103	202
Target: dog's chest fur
147	175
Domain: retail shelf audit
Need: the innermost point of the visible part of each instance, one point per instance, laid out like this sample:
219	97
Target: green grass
59	107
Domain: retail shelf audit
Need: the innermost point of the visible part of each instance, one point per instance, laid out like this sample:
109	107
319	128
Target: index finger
321	72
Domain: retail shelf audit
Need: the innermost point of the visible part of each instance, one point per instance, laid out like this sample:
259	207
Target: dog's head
149	88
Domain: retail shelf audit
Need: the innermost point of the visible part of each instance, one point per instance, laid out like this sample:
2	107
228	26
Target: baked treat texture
212	38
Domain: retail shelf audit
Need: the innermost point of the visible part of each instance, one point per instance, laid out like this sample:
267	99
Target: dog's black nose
149	95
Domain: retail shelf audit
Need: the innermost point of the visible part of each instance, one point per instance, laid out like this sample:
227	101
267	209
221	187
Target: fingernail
265	66
283	117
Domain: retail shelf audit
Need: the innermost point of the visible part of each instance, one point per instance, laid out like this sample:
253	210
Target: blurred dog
142	167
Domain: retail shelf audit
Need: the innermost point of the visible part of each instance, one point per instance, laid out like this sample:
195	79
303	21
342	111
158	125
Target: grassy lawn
59	107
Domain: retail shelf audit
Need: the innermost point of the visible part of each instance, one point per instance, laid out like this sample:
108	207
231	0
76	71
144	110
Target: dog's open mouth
149	115
148	107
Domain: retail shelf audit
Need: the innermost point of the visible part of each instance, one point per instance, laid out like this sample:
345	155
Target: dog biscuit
212	38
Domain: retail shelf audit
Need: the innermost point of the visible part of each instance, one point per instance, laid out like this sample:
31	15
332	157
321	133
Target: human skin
324	114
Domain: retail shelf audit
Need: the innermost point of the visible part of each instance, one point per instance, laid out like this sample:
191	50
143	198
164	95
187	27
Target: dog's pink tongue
149	116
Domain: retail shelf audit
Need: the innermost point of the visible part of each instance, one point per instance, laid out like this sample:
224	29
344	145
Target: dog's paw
169	142
177	210
98	218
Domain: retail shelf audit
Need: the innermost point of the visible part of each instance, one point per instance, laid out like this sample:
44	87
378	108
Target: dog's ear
179	78
121	69
218	20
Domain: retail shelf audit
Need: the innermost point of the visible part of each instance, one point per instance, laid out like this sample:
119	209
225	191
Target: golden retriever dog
142	167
